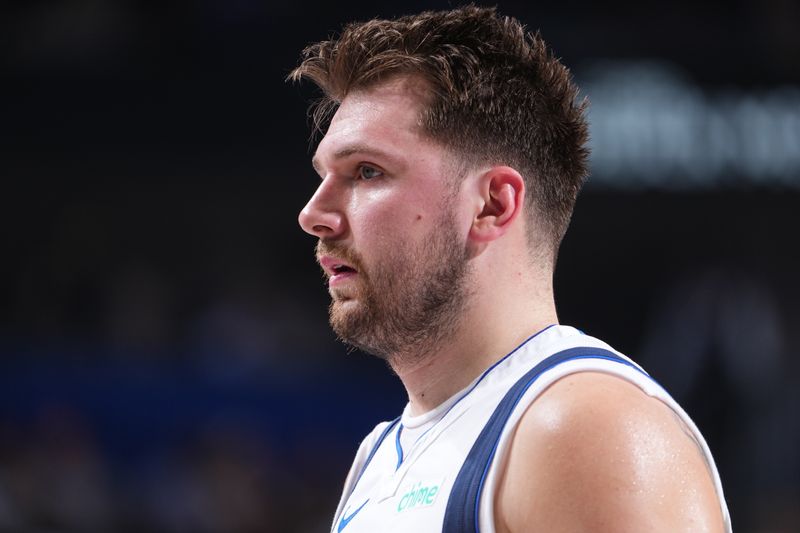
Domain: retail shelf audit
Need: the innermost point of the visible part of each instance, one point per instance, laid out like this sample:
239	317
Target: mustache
339	251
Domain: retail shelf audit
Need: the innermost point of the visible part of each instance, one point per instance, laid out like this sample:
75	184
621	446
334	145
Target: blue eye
368	173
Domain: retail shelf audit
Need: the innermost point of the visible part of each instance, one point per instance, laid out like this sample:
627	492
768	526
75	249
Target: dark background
165	361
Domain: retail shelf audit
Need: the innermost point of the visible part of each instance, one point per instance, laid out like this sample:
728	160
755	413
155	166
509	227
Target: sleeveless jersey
438	472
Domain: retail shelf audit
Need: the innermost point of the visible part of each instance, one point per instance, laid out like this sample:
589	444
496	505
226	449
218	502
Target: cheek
388	213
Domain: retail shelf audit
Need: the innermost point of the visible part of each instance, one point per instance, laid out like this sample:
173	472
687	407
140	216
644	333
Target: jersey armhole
462	514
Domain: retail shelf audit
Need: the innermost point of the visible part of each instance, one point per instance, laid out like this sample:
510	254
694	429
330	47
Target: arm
595	453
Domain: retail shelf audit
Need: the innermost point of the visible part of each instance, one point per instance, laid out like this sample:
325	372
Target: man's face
387	217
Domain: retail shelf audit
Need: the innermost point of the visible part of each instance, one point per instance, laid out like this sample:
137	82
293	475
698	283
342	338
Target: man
449	171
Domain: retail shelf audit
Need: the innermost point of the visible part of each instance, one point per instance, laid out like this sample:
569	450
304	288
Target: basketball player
453	154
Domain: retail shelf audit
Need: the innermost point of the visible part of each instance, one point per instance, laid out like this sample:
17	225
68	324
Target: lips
333	266
336	269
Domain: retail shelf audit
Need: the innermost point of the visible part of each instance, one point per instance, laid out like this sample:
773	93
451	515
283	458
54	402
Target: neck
490	328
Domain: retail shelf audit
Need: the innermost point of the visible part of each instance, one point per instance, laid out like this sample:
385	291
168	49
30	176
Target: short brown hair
497	96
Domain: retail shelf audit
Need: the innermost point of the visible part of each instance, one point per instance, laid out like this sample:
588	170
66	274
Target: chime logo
420	494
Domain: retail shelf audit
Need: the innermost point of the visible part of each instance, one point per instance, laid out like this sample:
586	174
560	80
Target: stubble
407	303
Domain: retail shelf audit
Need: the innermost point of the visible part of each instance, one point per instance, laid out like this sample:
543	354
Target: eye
367	172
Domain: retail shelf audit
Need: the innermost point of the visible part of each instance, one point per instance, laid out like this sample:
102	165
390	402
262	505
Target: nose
322	216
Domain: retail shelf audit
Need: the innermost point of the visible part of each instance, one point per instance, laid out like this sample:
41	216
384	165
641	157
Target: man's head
493	95
391	233
447	127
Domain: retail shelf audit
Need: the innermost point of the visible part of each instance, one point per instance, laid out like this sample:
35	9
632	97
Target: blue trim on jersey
509	354
463	505
472	388
399	446
488	370
374	451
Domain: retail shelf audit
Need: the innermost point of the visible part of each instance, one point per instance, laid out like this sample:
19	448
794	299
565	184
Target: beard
407	303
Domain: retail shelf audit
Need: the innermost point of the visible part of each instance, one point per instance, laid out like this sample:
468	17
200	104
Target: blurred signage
651	126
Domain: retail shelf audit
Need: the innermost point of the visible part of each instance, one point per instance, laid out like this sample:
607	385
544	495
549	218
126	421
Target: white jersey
438	472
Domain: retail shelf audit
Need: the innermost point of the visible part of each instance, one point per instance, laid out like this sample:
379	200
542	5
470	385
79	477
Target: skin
377	129
593	453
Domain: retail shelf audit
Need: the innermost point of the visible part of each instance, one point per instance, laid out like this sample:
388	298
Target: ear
502	193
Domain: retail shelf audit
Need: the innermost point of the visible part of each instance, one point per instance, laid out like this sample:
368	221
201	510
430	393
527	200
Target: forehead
384	118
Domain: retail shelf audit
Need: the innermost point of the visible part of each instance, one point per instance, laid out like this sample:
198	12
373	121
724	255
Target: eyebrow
349	150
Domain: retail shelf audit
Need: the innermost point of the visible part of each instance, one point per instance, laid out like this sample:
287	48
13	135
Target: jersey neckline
433	416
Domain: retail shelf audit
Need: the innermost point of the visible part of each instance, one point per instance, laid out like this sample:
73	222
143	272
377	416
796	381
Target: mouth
342	269
336	270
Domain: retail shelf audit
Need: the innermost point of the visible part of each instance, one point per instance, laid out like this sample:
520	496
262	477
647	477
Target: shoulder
595	453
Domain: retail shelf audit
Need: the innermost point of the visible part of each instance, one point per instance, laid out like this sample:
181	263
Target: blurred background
165	359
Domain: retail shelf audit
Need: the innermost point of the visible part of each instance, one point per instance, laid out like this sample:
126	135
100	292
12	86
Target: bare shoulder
595	453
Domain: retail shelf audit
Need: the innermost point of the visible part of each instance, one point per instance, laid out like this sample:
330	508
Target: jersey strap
461	515
377	445
350	487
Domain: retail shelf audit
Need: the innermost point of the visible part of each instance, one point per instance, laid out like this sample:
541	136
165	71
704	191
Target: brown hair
497	96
